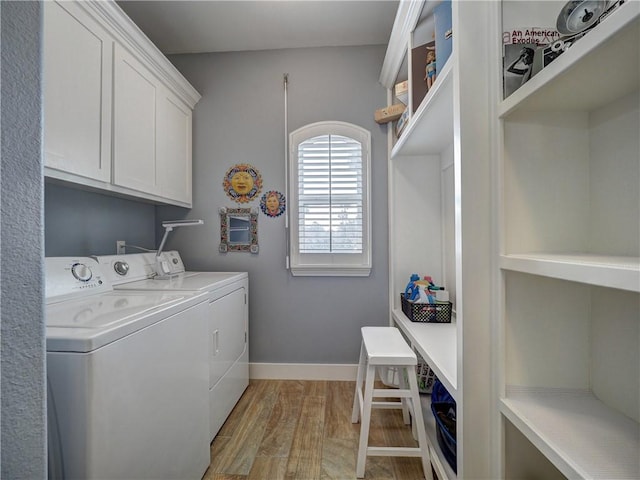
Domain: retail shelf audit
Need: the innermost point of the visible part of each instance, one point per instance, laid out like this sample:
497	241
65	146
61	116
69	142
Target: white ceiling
185	26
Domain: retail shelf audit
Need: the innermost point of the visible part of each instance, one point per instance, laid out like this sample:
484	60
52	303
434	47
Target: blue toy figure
430	69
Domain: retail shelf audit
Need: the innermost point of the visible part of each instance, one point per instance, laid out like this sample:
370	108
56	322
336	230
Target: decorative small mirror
238	230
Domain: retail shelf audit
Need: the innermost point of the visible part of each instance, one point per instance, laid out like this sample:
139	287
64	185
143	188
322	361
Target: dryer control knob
81	272
121	268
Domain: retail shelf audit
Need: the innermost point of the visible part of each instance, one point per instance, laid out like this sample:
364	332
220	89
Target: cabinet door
77	60
173	158
227	333
134	123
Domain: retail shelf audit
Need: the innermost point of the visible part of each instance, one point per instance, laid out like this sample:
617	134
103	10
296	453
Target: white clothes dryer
127	374
228	318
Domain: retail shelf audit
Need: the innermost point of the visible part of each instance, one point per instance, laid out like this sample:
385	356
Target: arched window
330	228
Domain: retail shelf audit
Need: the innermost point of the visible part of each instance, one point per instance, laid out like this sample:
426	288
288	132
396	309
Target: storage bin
443	407
439	312
424	375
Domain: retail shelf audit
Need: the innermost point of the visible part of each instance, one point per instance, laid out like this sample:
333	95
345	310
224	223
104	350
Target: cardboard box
389	114
401	91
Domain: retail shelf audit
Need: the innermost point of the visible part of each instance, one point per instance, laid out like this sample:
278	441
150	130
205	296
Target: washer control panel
73	276
131	267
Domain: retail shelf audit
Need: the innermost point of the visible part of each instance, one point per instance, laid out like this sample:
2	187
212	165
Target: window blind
330	195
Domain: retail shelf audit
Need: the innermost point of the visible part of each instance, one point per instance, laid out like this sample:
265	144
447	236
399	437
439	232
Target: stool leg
419	424
365	421
403	373
355	413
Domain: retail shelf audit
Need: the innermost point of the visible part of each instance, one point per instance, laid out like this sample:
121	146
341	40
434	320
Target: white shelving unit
593	59
568	302
439	212
431	128
437	344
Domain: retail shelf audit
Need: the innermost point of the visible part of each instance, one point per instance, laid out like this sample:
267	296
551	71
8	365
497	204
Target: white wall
240	119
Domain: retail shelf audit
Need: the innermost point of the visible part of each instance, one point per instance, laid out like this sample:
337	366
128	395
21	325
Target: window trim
330	264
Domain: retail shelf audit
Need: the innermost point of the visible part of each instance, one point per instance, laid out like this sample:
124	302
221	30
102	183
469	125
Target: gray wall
22	357
78	222
240	119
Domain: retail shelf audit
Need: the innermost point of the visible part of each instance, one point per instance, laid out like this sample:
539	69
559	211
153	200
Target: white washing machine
228	318
127	376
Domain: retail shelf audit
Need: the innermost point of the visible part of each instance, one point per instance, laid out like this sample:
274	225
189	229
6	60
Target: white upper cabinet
152	133
134	113
77	92
117	113
173	147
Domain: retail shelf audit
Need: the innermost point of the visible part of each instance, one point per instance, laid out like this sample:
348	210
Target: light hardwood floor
302	430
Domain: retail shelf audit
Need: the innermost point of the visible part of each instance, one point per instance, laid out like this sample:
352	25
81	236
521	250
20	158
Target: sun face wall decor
273	203
242	183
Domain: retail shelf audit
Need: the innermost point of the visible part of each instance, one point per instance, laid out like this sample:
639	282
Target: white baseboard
302	371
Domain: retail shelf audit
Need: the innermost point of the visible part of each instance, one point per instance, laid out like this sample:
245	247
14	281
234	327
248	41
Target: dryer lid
188	281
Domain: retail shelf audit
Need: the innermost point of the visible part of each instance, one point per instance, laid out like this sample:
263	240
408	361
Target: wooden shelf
600	67
604	447
430	129
437	344
600	270
438	460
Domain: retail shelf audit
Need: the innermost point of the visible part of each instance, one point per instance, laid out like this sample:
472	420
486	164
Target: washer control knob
121	268
175	261
81	272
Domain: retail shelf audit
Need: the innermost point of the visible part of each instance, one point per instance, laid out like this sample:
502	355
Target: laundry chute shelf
430	129
437	344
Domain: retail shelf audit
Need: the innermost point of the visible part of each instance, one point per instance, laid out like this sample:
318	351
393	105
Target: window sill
330	271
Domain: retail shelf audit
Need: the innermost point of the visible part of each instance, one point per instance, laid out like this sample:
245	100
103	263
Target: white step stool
385	347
